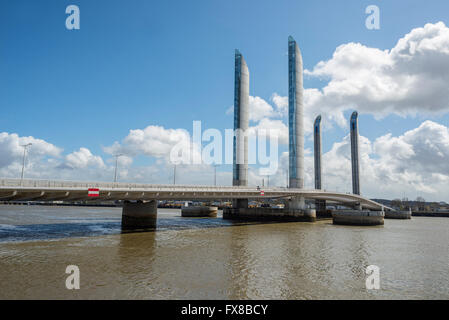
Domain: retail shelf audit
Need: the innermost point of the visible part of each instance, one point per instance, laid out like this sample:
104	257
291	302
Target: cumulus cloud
281	104
268	118
271	127
169	146
153	141
45	160
408	79
412	164
259	108
11	150
83	158
409	164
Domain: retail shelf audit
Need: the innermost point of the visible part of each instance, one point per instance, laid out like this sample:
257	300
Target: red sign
93	192
262	193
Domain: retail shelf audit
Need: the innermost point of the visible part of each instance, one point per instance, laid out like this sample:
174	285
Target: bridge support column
297	203
358	217
139	215
320	206
199	211
240	203
297	207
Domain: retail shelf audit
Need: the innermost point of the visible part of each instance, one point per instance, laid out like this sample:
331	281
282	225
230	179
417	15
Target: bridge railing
39	183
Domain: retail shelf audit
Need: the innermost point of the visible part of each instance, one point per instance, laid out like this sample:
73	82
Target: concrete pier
139	215
358	217
269	214
398	215
240	203
199	211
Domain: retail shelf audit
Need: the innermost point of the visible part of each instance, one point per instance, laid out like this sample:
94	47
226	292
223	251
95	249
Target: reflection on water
210	258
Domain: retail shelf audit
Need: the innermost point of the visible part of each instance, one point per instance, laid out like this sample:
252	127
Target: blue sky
168	63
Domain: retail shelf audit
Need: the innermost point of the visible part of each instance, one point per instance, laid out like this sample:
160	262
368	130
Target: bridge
54	190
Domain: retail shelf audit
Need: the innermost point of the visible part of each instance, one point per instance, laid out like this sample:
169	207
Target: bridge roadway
52	190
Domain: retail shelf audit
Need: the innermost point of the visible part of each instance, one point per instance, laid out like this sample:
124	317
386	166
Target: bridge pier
297	206
294	211
321	212
199	211
358	217
240	203
296	203
398	214
139	215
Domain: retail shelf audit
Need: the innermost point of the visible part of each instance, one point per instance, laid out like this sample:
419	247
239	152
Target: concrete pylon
319	204
241	123
295	115
355	153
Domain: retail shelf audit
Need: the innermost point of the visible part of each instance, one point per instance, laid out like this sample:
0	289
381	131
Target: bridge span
53	190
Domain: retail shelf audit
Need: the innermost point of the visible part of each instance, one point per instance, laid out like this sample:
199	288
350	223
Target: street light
215	174
116	161
24	146
174	175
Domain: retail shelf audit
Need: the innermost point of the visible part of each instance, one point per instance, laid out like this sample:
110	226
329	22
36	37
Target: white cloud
153	141
11	150
83	158
410	78
412	164
45	161
260	109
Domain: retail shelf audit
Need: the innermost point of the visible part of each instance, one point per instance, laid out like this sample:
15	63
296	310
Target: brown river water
211	258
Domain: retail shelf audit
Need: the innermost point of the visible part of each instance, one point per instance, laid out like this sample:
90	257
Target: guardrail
18	185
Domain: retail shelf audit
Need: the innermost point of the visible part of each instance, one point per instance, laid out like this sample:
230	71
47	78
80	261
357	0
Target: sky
135	75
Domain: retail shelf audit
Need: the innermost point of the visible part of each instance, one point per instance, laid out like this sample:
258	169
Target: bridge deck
51	190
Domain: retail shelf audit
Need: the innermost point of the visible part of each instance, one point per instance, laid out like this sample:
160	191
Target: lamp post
24	146
174	175
116	163
215	174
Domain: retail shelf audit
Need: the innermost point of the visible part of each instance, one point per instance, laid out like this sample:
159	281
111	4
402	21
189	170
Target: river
211	258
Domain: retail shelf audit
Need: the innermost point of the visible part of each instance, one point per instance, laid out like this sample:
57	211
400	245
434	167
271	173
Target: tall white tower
295	115
241	121
355	153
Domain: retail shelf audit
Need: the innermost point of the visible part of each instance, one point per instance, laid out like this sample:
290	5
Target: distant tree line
419	204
